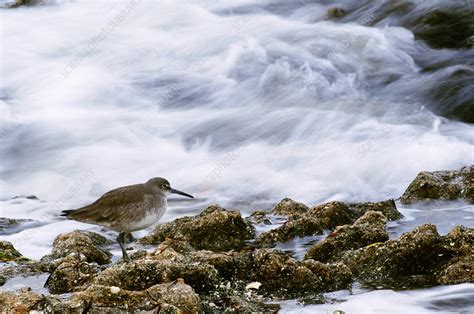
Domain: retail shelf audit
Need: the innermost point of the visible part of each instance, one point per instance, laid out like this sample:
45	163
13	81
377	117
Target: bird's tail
67	212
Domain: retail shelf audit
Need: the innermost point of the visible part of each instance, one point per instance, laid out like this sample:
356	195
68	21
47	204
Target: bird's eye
165	186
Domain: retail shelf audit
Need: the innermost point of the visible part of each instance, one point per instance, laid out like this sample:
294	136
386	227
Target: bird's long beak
180	193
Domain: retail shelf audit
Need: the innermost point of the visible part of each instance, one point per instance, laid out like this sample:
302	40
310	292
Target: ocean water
239	103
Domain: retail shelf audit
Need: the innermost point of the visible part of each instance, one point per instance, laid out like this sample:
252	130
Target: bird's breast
148	217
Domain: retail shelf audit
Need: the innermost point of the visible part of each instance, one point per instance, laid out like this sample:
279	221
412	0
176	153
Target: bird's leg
120	240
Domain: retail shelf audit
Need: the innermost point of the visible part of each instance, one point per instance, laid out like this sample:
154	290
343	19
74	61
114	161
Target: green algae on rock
8	252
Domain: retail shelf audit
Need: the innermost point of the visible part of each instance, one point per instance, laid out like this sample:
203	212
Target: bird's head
164	186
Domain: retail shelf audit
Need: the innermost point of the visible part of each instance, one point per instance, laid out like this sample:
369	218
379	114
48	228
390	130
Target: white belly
148	220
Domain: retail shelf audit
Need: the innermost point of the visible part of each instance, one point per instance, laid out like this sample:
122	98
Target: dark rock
441	185
332	214
288	207
336	12
84	242
295	226
324	216
368	229
445	28
7	223
10	226
29	197
19	3
420	258
388	208
215	229
460	243
8	252
260	217
71	274
279	274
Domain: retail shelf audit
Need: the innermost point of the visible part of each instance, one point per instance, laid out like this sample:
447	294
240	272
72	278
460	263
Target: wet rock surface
368	229
288	207
441	185
419	258
81	242
10	226
215	229
324	216
71	274
8	252
175	297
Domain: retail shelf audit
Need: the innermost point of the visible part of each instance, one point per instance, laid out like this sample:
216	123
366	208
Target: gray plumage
127	209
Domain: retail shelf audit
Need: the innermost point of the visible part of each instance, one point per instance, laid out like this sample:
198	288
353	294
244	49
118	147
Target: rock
7	223
296	226
444	28
332	214
10	226
368	229
460	243
29	197
8	252
175	297
169	298
456	273
288	207
20	302
84	242
388	208
441	185
260	217
336	12
164	267
215	229
279	275
420	258
19	3
324	216
71	274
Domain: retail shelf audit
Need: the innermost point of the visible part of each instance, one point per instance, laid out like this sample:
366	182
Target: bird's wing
113	206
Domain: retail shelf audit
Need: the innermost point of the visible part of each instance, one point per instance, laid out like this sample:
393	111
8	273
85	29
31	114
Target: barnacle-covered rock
165	266
324	216
177	297
84	242
288	207
441	185
278	274
71	274
418	258
368	229
388	208
215	229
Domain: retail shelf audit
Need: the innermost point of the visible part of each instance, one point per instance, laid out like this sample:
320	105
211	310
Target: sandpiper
127	209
